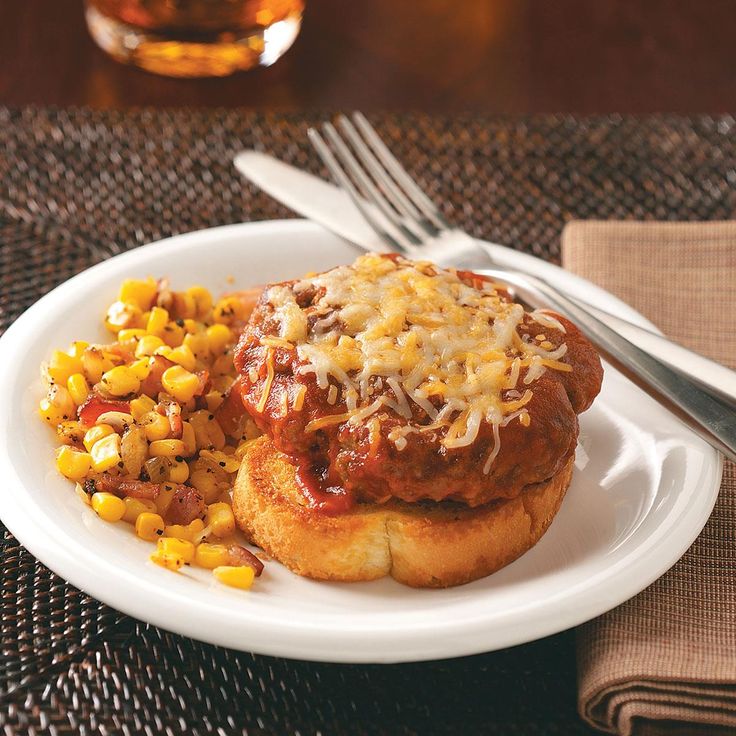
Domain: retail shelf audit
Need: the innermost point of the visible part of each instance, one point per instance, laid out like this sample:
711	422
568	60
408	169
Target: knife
329	206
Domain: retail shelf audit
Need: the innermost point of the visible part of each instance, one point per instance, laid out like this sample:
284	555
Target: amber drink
195	38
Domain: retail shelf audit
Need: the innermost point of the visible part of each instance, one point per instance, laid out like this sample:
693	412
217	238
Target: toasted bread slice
425	545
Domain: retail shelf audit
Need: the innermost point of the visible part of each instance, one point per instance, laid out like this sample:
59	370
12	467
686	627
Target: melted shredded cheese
422	337
269	380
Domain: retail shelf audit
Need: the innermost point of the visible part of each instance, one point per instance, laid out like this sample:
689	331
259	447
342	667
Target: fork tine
391	190
343	180
399	173
369	189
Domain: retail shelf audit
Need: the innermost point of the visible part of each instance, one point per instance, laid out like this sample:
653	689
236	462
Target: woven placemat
76	186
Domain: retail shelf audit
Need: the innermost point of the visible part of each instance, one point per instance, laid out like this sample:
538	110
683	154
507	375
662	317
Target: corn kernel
167	560
229	463
173	334
134	507
77	348
178	470
141	406
149	526
134	450
189	438
220	519
121	315
219	336
95	363
147	346
205	482
157	320
131	334
222	383
108	507
61	366
106	453
189	532
77	387
166	448
70	432
207	430
174	546
191	326
180	383
57	407
121	381
184	306
236	577
155	425
214	400
140	368
96	433
165	496
202	300
140	293
227	310
73	464
183	356
222	366
198	344
211	556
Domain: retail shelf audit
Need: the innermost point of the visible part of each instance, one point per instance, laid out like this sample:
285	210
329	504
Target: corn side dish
151	424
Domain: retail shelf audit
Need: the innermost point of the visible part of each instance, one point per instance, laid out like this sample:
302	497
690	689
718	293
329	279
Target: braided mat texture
77	186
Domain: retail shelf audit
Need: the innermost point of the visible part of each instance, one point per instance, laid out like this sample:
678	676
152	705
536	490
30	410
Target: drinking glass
195	38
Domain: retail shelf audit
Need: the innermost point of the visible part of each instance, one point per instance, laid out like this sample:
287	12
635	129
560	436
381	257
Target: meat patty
394	455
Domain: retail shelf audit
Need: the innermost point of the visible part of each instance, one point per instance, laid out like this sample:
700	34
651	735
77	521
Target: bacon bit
151	385
164	295
133	488
241	556
171	409
176	425
204	383
229	413
120	351
186	506
95	405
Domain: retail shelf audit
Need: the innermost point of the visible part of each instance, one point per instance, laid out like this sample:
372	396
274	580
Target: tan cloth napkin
665	661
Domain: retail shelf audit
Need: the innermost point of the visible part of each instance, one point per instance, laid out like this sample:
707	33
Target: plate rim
323	648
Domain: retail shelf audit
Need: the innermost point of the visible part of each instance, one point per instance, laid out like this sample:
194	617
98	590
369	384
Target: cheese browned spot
432	340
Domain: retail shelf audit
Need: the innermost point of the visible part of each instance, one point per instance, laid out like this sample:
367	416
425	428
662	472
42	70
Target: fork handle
708	417
715	379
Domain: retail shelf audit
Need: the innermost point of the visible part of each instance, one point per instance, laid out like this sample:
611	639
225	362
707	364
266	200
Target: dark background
491	56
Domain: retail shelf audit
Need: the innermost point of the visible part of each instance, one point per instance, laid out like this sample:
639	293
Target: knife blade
327	205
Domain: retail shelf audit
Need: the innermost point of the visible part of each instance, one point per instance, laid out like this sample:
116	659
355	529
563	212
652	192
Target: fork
408	222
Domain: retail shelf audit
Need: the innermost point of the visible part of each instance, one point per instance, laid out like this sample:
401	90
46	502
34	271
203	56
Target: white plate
643	489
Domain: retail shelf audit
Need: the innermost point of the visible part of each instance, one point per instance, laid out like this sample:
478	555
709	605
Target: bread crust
424	545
